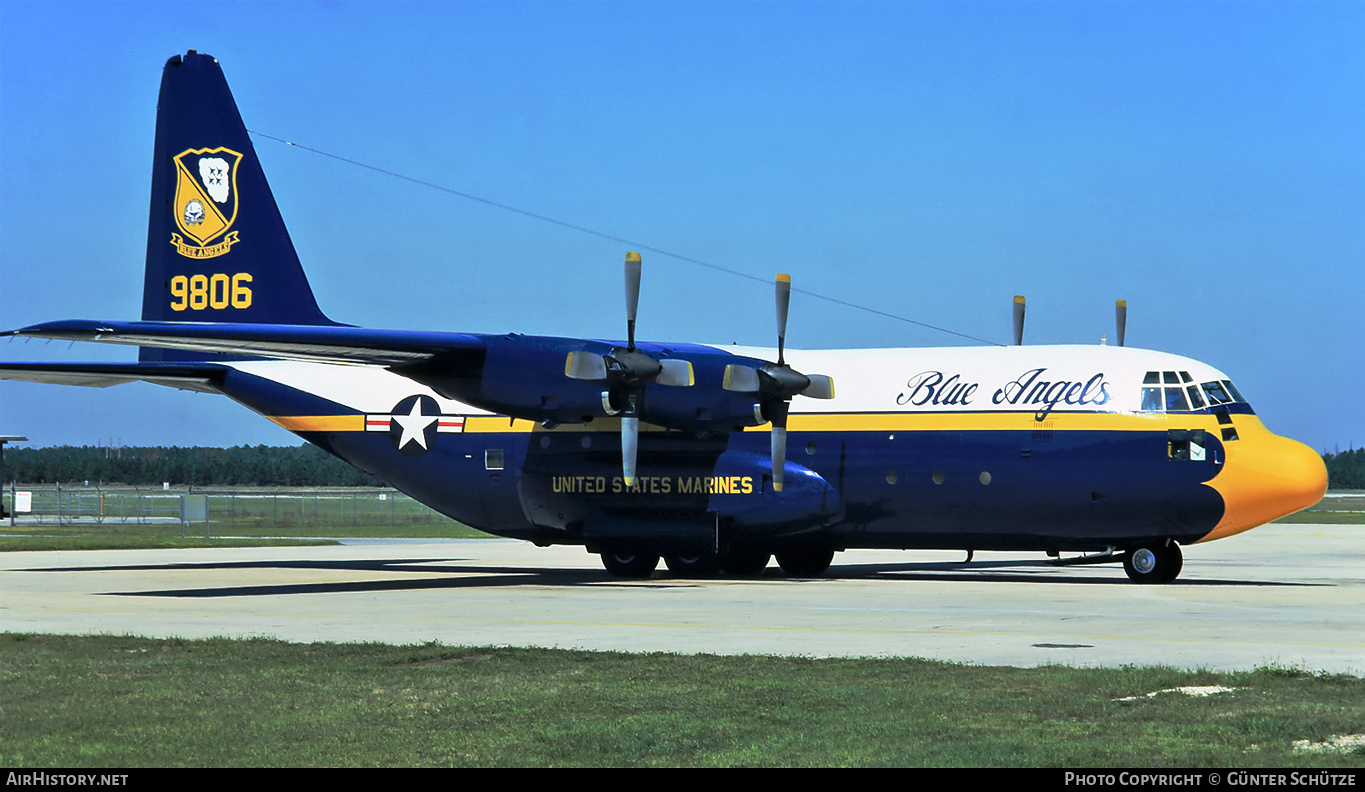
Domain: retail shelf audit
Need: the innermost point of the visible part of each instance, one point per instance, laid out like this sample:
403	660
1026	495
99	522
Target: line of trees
1346	469
264	466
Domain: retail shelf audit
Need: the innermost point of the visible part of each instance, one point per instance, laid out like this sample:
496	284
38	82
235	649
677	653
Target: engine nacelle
806	500
525	377
520	376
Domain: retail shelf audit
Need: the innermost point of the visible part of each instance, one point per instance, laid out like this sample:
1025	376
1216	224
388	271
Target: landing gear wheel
629	563
745	562
805	561
701	565
1159	562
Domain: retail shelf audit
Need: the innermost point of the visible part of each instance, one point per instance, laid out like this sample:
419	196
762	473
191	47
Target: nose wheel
1158	562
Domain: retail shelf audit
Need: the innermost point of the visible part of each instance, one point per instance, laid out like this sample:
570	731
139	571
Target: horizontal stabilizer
201	378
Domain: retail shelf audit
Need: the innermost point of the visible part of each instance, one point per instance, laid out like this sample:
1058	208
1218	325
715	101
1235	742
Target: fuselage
1056	448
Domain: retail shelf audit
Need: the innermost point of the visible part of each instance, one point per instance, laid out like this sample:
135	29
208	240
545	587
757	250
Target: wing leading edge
316	344
199	377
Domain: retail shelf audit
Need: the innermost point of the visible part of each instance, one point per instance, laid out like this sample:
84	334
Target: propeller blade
630	439
779	444
585	366
1121	317
741	379
1018	319
677	373
821	387
632	295
630	443
784	299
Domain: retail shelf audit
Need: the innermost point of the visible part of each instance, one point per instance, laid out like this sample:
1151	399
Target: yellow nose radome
1264	477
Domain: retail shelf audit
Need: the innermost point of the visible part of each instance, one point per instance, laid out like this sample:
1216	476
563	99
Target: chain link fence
289	509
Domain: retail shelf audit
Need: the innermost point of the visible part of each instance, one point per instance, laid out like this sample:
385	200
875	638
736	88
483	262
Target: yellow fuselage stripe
826	422
320	423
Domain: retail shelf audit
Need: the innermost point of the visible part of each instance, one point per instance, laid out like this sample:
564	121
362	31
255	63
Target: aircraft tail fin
217	247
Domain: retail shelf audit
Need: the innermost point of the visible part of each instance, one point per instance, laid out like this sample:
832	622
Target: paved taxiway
1287	594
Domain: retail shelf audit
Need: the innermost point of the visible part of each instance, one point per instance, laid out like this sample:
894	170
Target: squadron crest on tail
205	203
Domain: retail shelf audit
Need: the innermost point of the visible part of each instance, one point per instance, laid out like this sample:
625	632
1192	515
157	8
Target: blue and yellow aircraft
713	458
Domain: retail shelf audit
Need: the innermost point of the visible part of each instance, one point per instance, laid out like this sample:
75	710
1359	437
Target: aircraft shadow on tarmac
437	573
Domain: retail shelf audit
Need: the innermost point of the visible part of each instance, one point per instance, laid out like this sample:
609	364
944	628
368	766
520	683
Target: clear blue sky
1204	161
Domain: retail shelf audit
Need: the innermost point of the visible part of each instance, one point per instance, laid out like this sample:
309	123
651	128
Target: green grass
121	536
151	542
1343	507
137	702
110	518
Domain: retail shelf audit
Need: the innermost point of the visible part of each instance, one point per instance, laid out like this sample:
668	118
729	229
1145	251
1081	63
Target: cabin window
492	459
1187	444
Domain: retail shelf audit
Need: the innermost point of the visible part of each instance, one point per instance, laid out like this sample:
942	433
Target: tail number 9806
218	291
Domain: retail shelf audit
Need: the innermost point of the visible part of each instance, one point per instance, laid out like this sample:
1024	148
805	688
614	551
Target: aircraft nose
1265	477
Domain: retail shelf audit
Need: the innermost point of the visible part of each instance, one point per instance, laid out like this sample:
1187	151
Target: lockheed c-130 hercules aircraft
713	458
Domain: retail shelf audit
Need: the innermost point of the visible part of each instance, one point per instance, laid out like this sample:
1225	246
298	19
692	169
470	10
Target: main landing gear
1157	562
626	562
805	561
699	566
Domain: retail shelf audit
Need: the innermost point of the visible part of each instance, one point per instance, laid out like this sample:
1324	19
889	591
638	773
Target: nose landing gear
1157	562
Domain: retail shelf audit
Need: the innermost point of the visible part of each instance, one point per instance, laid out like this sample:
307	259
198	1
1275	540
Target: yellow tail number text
217	291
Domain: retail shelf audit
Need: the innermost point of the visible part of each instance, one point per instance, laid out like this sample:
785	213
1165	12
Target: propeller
778	383
627	371
1121	318
1018	320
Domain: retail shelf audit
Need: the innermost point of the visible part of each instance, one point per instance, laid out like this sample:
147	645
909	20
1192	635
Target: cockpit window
1217	394
1196	400
1180	394
1175	391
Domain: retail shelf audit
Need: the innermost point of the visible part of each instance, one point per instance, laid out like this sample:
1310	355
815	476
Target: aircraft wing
199	377
319	344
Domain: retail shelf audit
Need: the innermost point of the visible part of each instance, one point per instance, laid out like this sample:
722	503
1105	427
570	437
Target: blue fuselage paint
987	490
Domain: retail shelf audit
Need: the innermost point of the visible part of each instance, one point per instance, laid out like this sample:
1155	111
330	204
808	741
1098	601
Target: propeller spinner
627	371
777	383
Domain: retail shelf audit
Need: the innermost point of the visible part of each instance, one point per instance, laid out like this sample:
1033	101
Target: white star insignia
414	425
